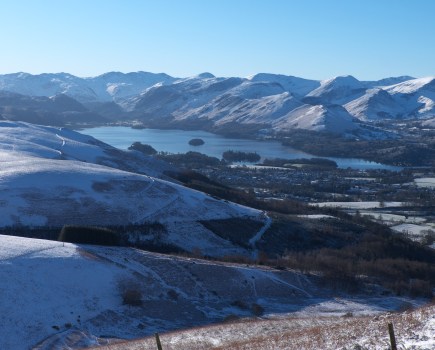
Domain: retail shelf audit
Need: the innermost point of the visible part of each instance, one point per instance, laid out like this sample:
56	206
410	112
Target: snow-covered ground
413	330
358	205
69	296
316	216
425	182
393	219
416	227
414	230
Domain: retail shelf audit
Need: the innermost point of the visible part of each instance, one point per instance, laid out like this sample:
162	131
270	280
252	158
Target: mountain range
261	102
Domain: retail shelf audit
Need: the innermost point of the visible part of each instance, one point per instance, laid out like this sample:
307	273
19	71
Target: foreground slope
413	329
69	296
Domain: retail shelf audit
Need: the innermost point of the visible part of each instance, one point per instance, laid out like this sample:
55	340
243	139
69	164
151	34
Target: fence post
392	336
159	345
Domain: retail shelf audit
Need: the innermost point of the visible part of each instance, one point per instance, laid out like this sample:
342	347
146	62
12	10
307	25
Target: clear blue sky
319	39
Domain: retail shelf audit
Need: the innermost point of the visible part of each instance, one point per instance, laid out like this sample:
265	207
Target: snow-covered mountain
215	103
295	85
375	104
410	99
262	101
387	81
54	176
338	90
106	87
332	118
416	97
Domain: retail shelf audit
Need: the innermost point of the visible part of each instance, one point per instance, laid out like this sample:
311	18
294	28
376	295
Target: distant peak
205	75
111	74
342	80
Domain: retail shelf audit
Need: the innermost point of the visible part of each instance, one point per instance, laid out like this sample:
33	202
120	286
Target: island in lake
238	156
196	142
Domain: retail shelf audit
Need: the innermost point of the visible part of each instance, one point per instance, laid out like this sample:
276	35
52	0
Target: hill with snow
261	101
54	176
67	296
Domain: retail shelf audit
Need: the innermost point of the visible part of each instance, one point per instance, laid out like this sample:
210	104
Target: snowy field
393	219
414	230
425	182
358	205
316	216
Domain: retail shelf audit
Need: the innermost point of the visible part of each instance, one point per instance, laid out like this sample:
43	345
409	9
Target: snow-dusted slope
413	98
51	290
51	177
338	90
19	139
333	118
236	108
375	104
416	97
65	296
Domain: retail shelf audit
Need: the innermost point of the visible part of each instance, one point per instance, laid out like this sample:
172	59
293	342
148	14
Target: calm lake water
177	141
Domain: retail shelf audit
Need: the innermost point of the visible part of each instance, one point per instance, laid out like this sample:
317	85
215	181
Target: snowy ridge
295	85
338	90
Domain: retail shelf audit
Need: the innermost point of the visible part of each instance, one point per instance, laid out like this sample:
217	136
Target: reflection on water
177	141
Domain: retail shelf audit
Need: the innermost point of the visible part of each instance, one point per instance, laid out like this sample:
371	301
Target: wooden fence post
159	345
392	336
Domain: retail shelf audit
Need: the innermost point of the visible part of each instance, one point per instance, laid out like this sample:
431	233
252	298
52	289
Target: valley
217	175
331	212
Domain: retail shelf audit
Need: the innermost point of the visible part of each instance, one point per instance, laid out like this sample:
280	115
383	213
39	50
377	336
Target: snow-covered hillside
52	177
19	139
338	90
66	296
331	118
375	104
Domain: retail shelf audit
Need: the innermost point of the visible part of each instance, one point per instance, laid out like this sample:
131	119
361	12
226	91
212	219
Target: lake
177	141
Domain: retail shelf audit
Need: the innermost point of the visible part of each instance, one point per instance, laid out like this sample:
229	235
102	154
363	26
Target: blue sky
318	39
